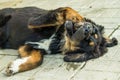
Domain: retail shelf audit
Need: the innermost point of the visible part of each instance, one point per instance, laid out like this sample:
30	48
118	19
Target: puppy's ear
4	19
101	28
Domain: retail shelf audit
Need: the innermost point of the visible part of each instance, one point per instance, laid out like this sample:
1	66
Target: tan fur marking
22	51
66	46
63	14
96	36
108	40
73	15
91	43
69	45
67	13
44	25
32	62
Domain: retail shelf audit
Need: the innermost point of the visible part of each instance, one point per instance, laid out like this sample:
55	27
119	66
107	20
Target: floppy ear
4	19
101	29
55	17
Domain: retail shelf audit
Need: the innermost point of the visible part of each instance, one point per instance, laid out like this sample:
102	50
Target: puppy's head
77	32
79	35
55	17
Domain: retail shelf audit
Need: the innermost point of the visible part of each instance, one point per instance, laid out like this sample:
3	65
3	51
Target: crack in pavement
81	67
114	31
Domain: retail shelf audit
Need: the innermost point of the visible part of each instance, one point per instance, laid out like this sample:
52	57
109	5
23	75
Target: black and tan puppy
73	35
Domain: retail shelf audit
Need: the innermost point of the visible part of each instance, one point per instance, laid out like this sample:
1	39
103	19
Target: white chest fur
43	44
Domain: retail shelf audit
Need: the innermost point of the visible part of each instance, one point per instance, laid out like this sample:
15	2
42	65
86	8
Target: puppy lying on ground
78	38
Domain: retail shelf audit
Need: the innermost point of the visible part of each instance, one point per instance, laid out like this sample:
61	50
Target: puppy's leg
25	51
28	61
84	56
77	57
110	42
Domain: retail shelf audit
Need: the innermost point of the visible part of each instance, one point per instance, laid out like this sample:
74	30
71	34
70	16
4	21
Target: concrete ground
107	67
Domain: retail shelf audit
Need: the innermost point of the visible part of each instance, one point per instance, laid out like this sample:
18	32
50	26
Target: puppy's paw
14	67
75	58
112	42
115	41
11	69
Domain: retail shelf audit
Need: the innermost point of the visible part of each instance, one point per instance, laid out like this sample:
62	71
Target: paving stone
112	54
116	34
15	77
50	70
95	75
64	72
103	66
9	52
4	77
5	60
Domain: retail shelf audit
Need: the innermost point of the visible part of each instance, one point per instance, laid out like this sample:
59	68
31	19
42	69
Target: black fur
14	30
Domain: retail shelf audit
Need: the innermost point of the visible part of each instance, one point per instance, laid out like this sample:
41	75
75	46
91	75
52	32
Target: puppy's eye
88	26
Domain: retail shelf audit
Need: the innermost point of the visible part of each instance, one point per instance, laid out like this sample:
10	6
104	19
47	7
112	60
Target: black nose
87	29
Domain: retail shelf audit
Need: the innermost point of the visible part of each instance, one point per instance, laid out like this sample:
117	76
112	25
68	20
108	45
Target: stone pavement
107	67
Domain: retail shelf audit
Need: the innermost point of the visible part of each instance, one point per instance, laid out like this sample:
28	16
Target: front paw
112	42
76	57
14	67
115	41
10	70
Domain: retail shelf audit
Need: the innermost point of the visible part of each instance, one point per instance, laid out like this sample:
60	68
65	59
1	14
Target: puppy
78	38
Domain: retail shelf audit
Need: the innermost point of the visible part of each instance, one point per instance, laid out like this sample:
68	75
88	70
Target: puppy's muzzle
73	33
88	29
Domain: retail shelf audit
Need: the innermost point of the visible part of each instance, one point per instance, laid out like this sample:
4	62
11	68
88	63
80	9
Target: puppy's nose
87	30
